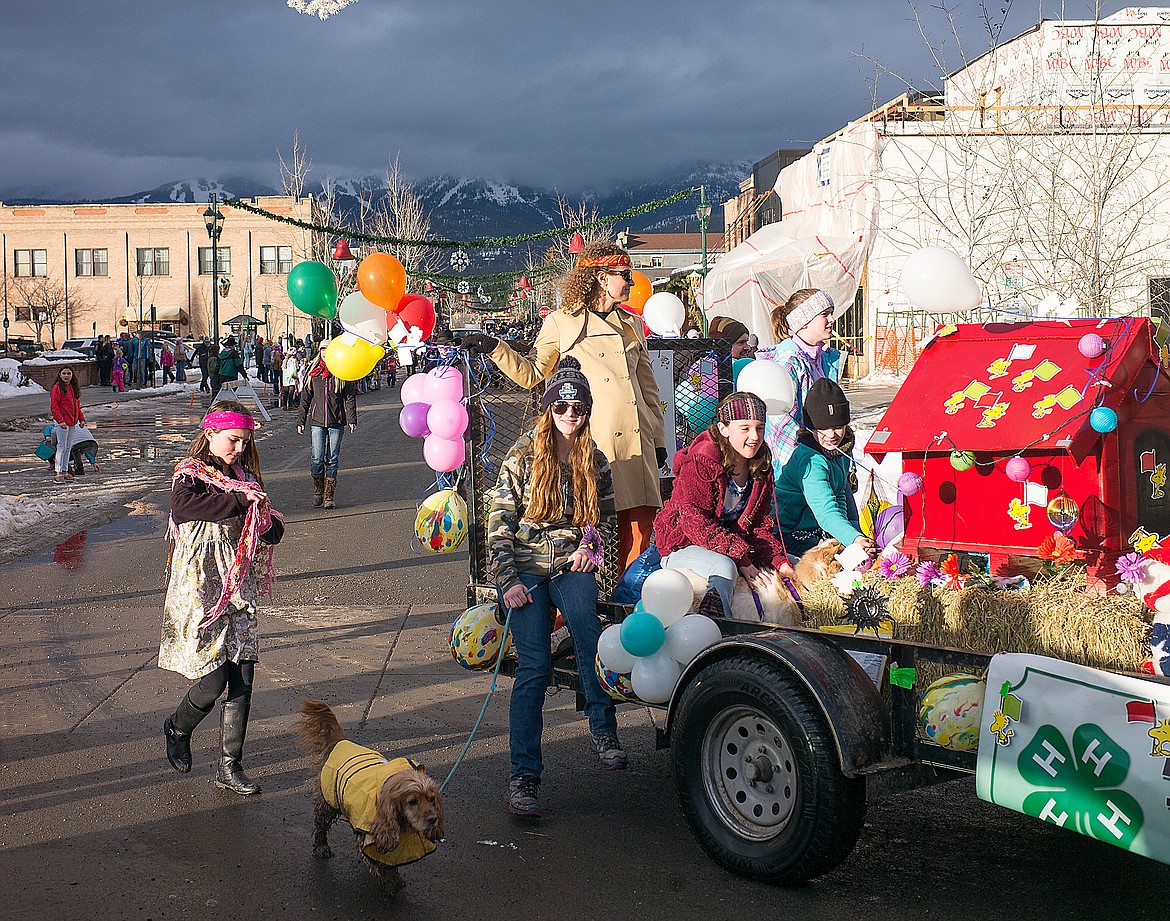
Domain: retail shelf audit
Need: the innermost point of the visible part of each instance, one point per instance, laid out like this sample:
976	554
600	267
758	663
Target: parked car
87	346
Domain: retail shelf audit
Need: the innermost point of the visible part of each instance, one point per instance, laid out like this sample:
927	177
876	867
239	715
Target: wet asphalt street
95	825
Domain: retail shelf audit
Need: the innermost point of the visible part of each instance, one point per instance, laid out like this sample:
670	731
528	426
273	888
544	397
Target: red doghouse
1028	390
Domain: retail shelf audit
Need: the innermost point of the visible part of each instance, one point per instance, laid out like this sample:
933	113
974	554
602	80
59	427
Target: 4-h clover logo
1079	785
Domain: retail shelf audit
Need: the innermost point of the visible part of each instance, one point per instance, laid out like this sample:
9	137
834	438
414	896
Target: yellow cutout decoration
1023	381
999	368
1143	541
992	414
1158	482
1020	513
1043	406
955	403
1068	398
1046	370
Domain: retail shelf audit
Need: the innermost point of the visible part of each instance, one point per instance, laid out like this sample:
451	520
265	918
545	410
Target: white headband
811	308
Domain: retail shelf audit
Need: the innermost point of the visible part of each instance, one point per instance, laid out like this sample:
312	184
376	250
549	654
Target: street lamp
213	220
703	213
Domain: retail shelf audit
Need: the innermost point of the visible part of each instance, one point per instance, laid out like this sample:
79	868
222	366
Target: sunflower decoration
866	610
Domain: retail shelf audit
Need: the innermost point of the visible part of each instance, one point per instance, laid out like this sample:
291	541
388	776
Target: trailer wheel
758	774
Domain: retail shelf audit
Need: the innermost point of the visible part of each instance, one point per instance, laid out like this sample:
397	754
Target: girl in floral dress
223	527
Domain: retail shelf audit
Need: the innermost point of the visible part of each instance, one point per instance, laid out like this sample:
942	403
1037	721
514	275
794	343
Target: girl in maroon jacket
717	522
65	403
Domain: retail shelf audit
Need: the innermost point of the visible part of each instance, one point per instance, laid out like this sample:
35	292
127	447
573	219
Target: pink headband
224	419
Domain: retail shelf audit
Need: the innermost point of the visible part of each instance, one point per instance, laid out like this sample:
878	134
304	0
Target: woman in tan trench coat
610	345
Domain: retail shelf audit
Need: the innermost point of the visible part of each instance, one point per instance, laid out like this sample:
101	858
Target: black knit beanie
567	383
825	406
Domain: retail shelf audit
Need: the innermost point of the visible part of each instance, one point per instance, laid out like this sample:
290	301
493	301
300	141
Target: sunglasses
627	274
561	407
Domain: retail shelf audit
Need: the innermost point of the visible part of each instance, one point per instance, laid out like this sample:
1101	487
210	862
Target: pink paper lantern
1018	469
1091	345
909	484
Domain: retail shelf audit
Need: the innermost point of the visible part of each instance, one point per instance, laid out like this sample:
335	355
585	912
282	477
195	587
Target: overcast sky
108	97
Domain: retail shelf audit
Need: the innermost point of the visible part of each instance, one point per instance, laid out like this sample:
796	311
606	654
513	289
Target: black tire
798	816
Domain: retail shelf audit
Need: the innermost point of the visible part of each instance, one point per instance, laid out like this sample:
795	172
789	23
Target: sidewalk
37	404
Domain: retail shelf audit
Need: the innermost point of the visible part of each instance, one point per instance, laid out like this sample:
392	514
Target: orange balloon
640	292
382	280
630	308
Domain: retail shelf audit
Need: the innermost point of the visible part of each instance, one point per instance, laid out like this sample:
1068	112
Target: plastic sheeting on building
823	240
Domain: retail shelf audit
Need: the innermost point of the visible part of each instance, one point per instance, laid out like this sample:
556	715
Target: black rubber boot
233	725
177	730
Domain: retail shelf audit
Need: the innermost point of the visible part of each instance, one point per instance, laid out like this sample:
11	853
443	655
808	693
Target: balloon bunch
432	409
379	310
646	652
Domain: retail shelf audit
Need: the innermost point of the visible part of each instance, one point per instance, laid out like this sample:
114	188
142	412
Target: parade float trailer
780	735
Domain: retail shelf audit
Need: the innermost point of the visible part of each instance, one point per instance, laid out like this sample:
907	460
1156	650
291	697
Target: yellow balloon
351	362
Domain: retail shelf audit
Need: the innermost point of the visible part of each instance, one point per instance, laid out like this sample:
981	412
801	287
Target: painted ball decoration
1063	513
475	637
441	522
1018	469
950	712
1103	419
962	460
1091	345
615	684
909	484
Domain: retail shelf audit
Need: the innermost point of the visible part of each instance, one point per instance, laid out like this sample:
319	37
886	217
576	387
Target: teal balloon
698	410
737	365
312	288
642	634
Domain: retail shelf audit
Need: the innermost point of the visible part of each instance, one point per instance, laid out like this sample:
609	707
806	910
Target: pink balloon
444	384
447	419
444	454
413	420
414	389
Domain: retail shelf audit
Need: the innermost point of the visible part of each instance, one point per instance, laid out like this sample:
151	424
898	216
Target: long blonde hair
547	502
580	290
249	459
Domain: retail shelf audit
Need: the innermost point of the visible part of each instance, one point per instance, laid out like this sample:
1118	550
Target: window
275	260
89	262
154	261
28	263
1160	299
655	262
224	254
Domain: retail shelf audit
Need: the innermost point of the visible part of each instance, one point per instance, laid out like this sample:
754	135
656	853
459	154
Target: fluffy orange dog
394	809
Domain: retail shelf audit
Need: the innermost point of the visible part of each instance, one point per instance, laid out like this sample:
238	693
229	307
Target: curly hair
249	460
580	290
780	314
547	503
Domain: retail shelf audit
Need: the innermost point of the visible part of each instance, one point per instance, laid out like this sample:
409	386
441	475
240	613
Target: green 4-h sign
1108	779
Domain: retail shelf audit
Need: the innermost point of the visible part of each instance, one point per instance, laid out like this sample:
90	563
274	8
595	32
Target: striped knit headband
741	407
808	310
619	260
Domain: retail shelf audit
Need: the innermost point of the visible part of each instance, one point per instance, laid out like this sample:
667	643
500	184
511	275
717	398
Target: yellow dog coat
350	781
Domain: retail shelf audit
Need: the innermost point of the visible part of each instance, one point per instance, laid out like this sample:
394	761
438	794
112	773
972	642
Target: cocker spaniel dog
393	807
819	562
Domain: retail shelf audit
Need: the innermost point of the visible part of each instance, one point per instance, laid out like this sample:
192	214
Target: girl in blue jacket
814	493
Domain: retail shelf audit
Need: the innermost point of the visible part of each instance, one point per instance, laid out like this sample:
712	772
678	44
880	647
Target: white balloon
770	382
363	319
664	313
690	636
654	677
668	595
611	651
938	281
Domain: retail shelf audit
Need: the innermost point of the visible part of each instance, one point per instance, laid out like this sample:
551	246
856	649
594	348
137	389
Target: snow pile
58	356
13	383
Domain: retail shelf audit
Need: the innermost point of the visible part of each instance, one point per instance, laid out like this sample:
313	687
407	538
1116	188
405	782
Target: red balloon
416	310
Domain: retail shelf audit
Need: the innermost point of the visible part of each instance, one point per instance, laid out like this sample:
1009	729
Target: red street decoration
342	253
525	283
576	244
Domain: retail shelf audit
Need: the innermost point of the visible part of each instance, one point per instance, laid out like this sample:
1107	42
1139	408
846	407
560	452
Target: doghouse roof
1010	386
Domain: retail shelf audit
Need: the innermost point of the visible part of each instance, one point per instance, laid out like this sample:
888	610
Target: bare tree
294	175
42	303
397	211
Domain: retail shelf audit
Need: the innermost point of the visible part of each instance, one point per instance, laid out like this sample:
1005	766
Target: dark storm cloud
107	98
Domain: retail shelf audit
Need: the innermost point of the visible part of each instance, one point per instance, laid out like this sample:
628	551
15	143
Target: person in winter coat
180	360
223	527
228	367
203	356
328	404
118	371
814	494
133	343
805	324
168	364
290	375
65	403
551	516
611	348
717	522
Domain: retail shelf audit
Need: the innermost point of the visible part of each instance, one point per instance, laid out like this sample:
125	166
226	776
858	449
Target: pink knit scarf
257	521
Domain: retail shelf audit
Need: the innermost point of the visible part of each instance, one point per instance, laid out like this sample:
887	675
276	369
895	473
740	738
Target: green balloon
313	289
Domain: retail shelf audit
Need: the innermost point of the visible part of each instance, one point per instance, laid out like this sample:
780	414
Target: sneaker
711	605
610	752
59	479
522	797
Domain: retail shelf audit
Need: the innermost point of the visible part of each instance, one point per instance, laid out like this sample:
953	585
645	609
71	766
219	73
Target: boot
318	489
233	726
330	486
177	730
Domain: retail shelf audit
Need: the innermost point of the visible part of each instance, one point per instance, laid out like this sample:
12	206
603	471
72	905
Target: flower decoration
895	564
953	573
927	573
591	544
1057	549
1131	568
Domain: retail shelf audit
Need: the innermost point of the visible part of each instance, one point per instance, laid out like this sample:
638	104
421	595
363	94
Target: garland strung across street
482	243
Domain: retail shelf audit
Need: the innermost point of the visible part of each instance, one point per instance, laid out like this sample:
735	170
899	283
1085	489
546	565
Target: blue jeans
326	450
575	595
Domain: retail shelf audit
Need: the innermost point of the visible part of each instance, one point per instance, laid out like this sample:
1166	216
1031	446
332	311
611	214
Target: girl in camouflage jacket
549	517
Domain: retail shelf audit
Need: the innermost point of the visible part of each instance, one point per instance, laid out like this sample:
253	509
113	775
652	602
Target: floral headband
621	260
225	419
